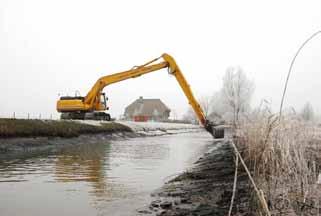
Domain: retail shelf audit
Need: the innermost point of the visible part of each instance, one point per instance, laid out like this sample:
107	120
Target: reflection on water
108	178
86	164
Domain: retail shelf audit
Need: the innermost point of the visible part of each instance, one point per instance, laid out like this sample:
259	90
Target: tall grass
284	156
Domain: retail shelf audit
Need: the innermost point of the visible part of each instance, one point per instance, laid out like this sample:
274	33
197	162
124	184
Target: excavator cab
101	106
103	101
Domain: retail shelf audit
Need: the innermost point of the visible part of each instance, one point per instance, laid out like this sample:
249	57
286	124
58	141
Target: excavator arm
101	83
92	102
174	70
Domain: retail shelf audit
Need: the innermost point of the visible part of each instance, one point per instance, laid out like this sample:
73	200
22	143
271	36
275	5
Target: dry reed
284	157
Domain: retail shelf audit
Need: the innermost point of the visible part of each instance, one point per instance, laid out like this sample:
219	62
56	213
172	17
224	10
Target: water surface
107	178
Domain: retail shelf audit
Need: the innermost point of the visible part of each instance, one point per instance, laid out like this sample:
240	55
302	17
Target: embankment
15	128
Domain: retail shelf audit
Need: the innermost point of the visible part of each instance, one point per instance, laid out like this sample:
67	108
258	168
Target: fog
52	48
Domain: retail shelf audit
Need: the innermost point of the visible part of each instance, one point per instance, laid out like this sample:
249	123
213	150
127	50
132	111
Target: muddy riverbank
27	138
205	189
24	147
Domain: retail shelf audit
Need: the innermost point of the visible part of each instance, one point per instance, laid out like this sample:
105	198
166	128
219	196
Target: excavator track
99	116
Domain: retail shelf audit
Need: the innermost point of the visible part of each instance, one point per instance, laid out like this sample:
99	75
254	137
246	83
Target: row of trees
232	102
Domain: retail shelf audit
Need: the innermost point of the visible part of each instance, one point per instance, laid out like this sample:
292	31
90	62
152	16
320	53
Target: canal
106	178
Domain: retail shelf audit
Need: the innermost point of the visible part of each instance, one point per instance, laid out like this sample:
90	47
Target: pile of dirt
206	189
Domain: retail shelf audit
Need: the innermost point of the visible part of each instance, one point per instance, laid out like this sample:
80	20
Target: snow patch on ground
91	122
150	128
160	128
139	126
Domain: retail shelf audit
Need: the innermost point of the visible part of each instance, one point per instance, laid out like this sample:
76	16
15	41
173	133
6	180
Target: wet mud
30	147
24	147
205	189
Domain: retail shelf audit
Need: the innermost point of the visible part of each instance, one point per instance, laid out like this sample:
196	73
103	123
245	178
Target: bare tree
232	100
174	114
307	112
217	104
206	104
190	116
236	92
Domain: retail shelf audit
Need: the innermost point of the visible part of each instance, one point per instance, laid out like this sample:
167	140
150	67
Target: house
147	110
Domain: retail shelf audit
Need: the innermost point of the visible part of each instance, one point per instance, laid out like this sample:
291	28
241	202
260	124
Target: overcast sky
57	47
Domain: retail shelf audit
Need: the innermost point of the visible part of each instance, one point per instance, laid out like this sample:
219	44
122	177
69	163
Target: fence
39	116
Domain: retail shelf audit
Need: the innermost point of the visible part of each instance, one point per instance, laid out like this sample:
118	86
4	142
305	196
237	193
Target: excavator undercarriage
100	116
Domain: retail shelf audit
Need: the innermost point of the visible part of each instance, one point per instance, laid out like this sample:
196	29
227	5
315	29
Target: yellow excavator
93	105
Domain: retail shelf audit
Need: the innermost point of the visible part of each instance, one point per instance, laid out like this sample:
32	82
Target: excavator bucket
217	131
